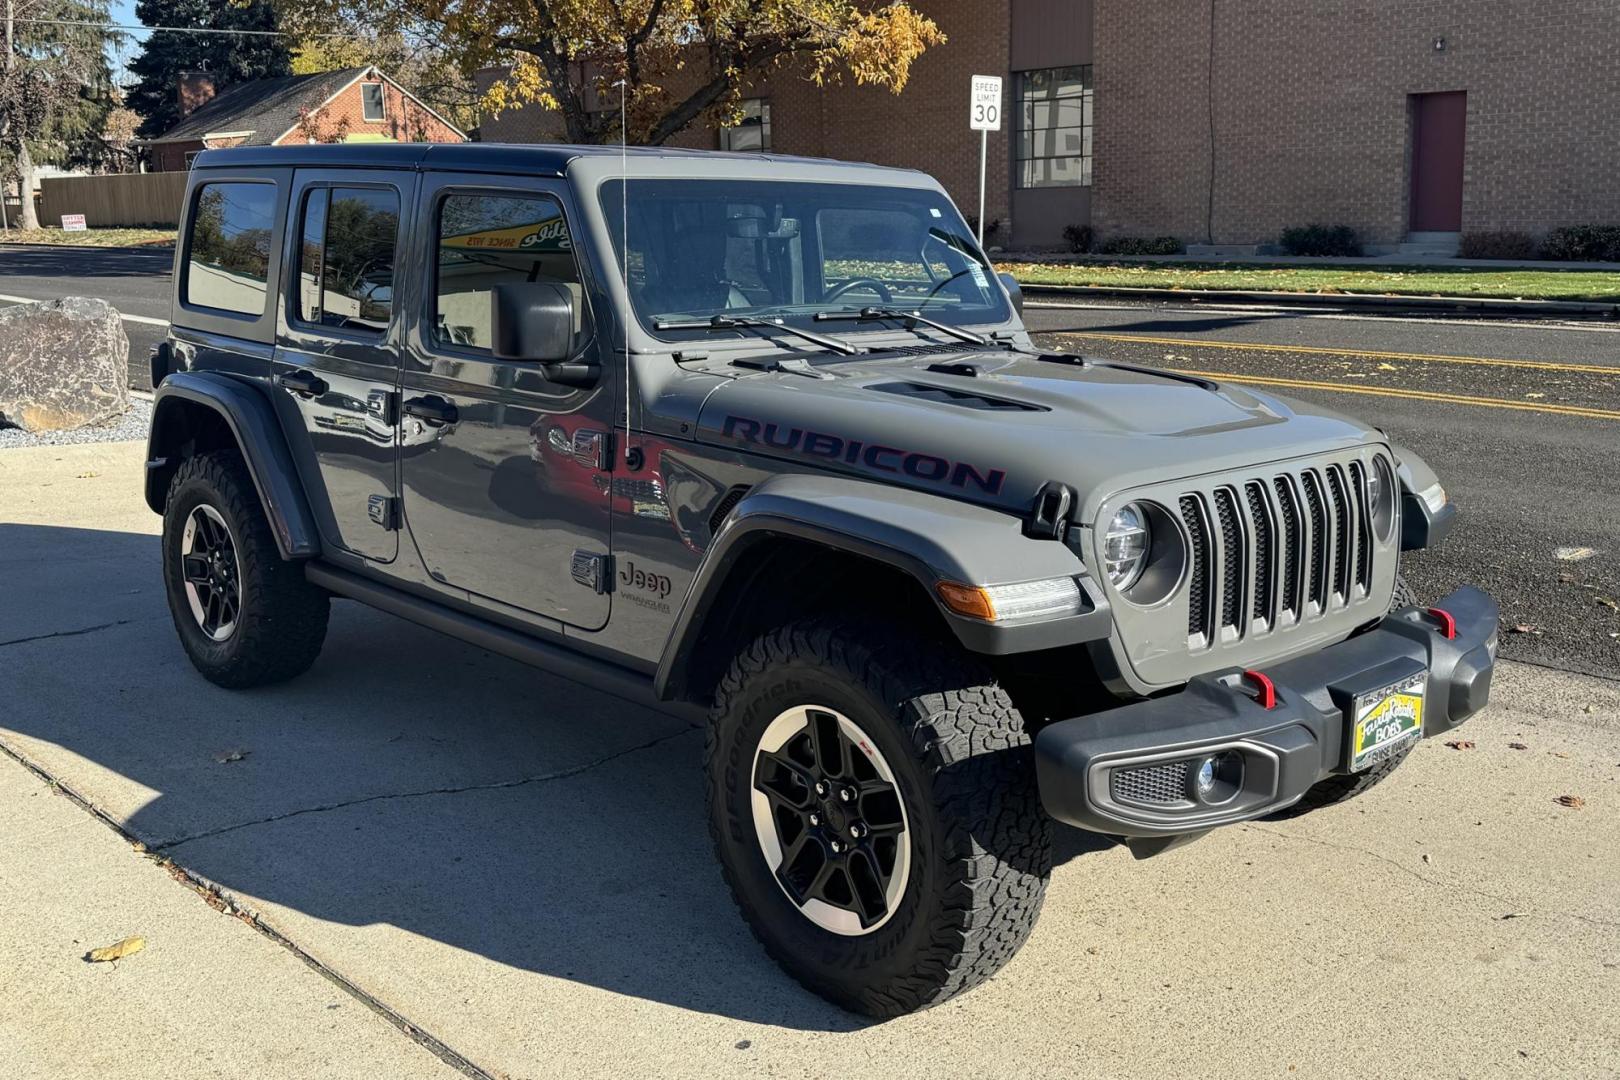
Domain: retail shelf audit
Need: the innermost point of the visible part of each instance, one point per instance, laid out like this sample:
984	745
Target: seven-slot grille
1270	551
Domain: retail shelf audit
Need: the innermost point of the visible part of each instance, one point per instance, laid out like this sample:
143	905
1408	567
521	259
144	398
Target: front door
336	364
504	473
1439	123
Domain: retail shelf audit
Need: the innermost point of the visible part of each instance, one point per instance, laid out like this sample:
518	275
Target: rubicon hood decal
872	455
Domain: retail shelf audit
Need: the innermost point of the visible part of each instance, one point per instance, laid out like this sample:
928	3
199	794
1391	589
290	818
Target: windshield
701	248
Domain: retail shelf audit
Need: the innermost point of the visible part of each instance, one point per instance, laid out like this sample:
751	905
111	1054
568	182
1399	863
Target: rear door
505	473
336	364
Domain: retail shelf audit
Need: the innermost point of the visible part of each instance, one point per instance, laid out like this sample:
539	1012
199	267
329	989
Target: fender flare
927	537
1422	525
252	423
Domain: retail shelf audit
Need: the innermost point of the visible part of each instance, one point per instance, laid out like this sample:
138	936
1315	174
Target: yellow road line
1420	395
1191	343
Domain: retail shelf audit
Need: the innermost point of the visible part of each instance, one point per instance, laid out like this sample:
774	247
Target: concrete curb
1390	305
162	245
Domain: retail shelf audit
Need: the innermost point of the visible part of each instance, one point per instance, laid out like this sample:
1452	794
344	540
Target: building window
1054	127
754	133
371	101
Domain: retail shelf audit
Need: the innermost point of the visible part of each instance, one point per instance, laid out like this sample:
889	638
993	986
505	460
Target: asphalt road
1521	421
500	869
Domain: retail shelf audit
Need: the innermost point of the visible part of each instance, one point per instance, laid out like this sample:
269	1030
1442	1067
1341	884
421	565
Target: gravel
133	425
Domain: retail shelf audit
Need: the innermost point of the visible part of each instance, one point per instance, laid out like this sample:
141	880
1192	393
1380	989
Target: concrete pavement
517	868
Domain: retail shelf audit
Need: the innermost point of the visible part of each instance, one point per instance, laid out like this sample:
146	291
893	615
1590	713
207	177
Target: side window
346	257
487	240
228	247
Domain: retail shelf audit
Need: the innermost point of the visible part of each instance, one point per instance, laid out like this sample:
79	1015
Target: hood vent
965	399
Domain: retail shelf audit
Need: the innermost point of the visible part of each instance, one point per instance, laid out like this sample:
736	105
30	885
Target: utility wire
176	29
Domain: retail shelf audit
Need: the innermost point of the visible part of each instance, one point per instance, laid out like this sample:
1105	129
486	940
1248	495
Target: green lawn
90	237
1380	280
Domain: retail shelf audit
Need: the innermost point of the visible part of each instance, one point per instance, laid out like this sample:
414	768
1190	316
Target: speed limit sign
985	111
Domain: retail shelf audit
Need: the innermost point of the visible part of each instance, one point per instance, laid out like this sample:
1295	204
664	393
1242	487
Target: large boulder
63	364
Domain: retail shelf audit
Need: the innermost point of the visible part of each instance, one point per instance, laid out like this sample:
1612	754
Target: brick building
360	104
1226	121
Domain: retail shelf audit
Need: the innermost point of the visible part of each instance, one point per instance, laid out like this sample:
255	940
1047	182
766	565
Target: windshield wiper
739	322
910	318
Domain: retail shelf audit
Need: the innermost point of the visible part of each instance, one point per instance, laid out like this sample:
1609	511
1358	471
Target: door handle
303	383
432	408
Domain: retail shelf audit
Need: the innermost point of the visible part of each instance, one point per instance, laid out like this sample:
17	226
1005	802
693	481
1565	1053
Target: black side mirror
534	321
1014	293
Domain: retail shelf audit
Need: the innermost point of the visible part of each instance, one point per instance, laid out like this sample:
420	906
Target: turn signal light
1050	599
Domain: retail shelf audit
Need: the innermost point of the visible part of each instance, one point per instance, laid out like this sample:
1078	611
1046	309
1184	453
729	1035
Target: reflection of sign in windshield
544	236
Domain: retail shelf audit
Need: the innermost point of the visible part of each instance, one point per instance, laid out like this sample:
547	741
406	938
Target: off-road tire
964	767
1338	788
282	620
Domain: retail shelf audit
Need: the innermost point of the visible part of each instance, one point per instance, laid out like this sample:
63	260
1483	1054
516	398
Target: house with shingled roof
359	104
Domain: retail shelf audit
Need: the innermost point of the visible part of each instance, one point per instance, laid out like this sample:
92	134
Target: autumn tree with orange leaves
681	60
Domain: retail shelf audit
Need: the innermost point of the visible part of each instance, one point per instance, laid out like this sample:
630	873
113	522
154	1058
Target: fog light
1218	778
1206	777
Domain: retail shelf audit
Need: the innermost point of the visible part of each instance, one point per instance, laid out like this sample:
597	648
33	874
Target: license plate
1386	721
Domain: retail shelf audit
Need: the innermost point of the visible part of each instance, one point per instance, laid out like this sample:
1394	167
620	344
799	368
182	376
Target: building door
1438	125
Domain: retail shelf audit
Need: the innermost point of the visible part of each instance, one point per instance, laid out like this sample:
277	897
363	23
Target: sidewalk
208	996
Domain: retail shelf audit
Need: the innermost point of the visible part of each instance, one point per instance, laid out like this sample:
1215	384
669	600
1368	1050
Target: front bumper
1127	771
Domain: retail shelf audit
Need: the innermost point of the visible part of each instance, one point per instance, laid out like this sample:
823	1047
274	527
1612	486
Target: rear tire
245	616
974	840
1339	788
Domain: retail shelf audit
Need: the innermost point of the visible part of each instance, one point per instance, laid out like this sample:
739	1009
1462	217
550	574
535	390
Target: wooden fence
120	199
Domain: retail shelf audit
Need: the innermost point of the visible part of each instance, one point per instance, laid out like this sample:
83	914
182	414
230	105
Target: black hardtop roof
545	159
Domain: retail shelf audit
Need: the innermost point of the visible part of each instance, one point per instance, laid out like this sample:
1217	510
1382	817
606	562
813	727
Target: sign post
984	116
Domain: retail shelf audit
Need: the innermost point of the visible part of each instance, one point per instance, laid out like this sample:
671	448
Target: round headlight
1126	542
1381	495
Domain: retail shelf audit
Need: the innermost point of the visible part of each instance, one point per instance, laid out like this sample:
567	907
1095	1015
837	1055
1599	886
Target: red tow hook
1267	690
1448	624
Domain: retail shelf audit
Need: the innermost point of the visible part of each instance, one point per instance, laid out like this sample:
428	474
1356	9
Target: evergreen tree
232	58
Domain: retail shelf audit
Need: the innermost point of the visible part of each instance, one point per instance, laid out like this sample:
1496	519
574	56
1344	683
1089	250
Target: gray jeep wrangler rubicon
765	437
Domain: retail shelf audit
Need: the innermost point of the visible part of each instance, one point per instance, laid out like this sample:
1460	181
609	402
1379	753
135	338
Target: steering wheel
862	283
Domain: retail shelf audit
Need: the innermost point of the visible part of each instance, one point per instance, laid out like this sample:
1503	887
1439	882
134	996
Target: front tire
245	616
902	853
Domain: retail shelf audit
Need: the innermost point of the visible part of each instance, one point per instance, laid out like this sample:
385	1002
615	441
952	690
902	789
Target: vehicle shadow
407	779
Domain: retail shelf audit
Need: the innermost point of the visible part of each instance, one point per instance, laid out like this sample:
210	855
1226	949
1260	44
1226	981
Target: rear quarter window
228	247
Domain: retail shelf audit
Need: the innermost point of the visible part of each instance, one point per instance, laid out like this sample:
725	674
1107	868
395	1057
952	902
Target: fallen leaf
128	947
1574	554
1525	628
87	475
1514	915
1566	578
1517	746
1588	709
225	757
1461	744
1574	802
1609	602
1425	856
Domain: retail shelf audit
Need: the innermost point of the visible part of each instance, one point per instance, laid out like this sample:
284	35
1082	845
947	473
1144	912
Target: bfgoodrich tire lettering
279	619
979	853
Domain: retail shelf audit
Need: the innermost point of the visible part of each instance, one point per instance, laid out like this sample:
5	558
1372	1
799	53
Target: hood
994	426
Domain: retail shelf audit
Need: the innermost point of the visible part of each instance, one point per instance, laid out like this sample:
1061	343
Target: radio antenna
624	248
